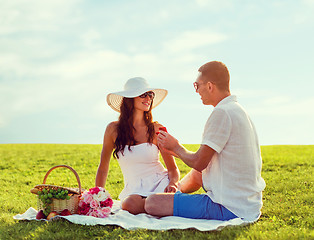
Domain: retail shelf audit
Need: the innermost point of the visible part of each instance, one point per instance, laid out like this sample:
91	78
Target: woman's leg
134	204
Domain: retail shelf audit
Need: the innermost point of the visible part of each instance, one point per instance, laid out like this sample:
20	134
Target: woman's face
144	101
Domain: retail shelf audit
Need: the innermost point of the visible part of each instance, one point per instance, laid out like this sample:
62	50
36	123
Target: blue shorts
199	206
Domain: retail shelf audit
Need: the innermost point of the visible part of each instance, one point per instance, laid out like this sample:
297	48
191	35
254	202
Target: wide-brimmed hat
135	87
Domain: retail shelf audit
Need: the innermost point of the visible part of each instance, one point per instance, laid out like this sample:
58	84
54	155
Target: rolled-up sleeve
217	130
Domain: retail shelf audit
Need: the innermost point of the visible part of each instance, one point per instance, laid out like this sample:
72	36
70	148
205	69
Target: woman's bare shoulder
113	124
112	127
157	125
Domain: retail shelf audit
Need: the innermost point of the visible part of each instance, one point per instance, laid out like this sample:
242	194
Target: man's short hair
217	73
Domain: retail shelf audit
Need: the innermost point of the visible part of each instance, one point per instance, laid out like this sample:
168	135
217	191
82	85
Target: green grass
288	198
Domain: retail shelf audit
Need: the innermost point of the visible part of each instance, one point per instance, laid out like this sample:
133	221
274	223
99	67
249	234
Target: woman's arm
107	148
173	172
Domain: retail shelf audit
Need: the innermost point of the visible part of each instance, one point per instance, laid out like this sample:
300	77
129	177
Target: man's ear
210	86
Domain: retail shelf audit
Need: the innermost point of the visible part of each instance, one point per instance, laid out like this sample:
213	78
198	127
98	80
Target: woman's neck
138	119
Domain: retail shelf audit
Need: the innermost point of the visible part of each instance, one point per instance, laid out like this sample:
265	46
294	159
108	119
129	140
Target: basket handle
65	166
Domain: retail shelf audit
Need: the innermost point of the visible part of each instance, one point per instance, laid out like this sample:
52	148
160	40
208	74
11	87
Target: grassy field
288	198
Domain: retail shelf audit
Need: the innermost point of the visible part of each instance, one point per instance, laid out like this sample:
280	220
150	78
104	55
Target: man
227	164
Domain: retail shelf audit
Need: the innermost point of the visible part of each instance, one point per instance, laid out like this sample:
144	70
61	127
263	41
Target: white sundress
142	171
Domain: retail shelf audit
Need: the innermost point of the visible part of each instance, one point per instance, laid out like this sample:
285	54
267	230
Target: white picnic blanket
131	222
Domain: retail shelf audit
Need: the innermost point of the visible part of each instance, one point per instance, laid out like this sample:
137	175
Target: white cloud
278	100
3	123
214	5
309	2
91	39
248	93
79	79
35	15
58	56
284	106
202	3
304	14
10	62
262	102
190	40
87	64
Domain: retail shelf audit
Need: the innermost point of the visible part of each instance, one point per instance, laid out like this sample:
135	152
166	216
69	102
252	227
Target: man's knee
160	204
196	177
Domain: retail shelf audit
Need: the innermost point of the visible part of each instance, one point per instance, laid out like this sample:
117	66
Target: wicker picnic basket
59	205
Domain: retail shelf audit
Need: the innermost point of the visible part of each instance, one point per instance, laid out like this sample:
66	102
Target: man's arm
197	160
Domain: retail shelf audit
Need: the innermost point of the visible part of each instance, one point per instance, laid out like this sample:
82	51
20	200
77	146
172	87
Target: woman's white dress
142	171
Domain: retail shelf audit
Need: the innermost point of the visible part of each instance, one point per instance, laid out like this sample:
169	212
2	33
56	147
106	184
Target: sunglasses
196	85
150	94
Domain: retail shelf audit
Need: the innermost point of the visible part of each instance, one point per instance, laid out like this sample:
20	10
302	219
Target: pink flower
82	204
94	204
94	190
93	213
84	211
88	198
107	203
83	208
101	196
100	213
106	211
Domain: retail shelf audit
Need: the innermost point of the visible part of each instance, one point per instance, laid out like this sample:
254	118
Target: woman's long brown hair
125	128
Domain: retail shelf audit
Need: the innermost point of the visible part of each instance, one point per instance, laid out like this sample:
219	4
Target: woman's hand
171	188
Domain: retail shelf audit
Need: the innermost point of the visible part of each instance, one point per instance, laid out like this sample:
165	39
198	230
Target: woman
134	142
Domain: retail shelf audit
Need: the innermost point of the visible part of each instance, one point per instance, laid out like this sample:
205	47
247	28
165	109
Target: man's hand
167	142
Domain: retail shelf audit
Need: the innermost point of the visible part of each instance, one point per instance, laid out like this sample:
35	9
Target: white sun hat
135	87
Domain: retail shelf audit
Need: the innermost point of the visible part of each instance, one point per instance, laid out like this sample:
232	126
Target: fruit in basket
56	198
41	215
46	196
65	212
51	215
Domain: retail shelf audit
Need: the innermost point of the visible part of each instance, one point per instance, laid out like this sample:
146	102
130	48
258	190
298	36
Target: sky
59	59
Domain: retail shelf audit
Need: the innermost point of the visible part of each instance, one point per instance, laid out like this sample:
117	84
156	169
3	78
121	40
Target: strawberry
162	129
65	212
41	215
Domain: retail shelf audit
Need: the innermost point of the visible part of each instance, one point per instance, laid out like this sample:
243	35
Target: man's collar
231	98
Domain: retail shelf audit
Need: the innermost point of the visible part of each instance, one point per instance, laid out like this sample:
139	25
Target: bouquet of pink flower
96	202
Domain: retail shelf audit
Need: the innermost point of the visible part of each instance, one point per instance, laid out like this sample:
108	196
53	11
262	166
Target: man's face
202	88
